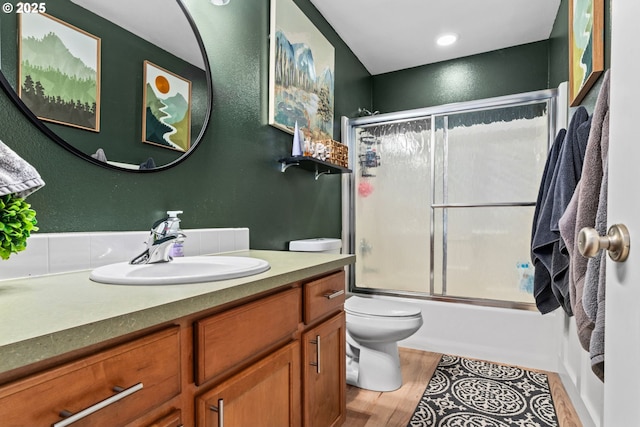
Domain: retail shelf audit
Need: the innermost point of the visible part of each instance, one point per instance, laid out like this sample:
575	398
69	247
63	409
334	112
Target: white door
622	323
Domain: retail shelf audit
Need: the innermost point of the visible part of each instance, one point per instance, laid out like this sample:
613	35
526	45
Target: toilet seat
370	307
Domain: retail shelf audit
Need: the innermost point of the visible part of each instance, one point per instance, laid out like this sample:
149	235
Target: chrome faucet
164	234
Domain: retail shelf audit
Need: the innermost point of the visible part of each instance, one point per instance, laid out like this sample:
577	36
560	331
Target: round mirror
123	84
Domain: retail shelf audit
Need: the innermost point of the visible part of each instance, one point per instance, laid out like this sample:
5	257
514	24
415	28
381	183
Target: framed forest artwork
301	73
166	119
59	71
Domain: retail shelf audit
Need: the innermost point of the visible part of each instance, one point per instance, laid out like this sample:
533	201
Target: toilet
374	327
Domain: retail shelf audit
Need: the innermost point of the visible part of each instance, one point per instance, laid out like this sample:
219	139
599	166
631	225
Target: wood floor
394	409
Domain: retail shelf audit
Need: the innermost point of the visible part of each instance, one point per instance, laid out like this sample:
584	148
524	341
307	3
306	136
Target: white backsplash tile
227	240
49	253
209	241
242	238
68	252
108	248
33	261
191	245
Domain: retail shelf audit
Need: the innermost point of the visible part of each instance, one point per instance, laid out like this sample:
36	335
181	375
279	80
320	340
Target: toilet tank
320	244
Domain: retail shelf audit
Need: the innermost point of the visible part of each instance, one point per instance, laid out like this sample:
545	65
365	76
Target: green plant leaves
17	221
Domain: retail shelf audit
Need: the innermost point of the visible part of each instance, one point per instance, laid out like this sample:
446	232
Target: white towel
16	175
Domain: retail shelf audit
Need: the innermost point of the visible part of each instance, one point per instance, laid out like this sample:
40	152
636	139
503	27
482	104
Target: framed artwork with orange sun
166	115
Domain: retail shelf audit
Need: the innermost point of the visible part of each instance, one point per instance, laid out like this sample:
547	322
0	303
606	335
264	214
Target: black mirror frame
8	89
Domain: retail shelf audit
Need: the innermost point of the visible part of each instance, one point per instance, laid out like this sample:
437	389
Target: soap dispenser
172	217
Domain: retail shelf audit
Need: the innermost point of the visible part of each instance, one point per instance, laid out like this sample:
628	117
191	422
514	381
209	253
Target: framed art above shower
301	73
586	47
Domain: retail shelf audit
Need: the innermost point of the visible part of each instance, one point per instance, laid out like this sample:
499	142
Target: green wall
233	178
502	72
559	47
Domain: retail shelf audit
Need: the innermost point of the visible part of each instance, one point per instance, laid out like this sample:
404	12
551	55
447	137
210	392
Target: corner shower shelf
312	164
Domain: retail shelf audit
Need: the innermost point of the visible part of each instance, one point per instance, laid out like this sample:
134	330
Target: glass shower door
489	179
442	204
392	186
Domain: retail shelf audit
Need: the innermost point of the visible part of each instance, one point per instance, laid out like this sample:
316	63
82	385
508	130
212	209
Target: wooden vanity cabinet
323	352
300	384
132	378
275	359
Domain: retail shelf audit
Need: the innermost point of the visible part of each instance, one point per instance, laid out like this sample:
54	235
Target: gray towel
592	281
593	299
99	155
567	226
569	168
557	192
589	201
569	172
148	164
16	175
546	302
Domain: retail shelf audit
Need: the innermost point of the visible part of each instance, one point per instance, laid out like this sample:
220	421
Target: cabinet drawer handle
70	418
333	294
317	362
220	410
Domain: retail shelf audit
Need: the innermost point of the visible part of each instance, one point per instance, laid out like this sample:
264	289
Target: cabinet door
174	419
265	394
324	366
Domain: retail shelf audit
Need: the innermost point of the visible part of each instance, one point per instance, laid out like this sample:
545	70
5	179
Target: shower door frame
431	113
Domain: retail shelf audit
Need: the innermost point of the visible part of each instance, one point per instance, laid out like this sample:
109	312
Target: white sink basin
193	269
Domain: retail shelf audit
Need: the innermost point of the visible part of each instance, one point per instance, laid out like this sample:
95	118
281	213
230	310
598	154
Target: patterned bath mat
470	393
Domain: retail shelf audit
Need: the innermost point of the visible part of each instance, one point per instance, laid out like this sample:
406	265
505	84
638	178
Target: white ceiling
162	23
391	35
386	35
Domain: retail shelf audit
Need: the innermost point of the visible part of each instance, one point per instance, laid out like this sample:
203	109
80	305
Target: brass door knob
616	241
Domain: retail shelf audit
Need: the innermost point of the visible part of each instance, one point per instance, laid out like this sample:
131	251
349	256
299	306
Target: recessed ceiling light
220	2
447	39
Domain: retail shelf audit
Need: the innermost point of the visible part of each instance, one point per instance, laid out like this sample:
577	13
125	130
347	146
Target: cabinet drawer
236	336
323	296
153	361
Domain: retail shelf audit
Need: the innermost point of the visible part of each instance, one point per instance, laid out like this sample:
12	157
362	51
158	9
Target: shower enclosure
441	200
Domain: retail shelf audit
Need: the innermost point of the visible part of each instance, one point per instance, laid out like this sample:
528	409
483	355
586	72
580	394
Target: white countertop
45	316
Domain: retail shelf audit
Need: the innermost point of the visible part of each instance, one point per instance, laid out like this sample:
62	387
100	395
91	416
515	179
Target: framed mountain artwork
301	73
166	116
59	71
